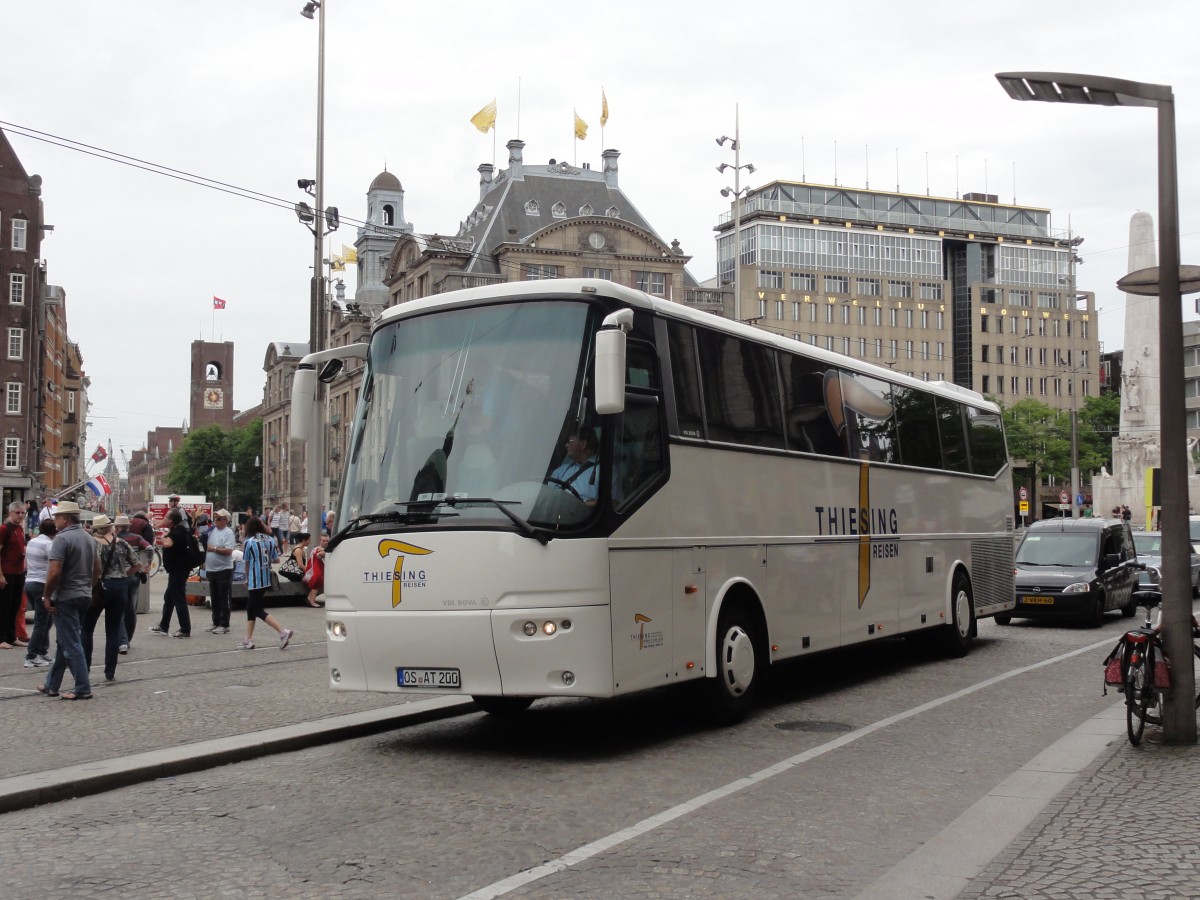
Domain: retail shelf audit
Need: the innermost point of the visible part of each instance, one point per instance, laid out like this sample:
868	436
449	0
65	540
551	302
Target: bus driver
579	471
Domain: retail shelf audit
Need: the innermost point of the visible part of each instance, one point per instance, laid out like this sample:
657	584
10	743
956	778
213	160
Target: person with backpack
178	556
260	551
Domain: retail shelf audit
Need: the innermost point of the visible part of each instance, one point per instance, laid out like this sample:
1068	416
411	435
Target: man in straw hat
74	568
125	531
117	562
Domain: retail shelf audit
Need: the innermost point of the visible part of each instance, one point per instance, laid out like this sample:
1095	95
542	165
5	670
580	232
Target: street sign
1023	494
1064	497
1024	507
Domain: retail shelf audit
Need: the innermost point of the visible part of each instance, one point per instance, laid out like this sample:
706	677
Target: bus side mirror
304	389
330	371
610	362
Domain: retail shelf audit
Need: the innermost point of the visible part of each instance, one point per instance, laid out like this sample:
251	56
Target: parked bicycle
1138	665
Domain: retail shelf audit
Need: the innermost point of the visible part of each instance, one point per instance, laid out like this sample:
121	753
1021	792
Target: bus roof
574	288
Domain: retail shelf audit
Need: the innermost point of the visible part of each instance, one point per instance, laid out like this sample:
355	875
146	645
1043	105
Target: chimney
515	160
610	167
486	171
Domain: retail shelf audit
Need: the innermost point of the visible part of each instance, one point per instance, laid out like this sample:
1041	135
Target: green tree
211	455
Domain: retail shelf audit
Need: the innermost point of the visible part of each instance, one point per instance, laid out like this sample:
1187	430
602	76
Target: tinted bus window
917	428
686	380
741	391
954	442
810	425
986	437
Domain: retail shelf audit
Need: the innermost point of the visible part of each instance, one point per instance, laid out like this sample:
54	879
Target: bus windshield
467	416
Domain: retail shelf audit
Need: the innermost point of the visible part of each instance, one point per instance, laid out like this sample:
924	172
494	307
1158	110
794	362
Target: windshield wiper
522	524
400	517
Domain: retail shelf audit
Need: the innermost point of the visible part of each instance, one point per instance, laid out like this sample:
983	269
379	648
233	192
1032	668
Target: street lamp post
736	192
1179	712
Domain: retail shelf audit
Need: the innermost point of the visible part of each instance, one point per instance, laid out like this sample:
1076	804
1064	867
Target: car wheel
1095	618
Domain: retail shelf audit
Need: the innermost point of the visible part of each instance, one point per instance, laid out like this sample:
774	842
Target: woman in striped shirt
258	552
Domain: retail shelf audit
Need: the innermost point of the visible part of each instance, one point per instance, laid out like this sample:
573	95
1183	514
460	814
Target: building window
1015	384
779	310
845	314
1047	301
812	312
653	283
559	210
16	343
829	342
772	280
605	274
837	284
879	348
868	287
931	291
762	309
986	386
924	318
16	289
586	209
1018	298
846	346
983	353
829	314
908	349
862	315
900	289
532	208
939	320
535	272
862	347
893	346
20	233
12	453
613	213
908	318
13	395
893	317
941	350
1029	387
924	349
70	402
802	281
983	320
795	311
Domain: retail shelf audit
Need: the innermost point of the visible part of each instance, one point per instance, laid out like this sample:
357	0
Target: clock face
596	240
214	398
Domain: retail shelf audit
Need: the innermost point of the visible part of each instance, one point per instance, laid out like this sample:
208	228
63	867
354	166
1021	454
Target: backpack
195	554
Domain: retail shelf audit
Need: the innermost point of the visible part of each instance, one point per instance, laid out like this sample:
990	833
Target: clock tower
212	384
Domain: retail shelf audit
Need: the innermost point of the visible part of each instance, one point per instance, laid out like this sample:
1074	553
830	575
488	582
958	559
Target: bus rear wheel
739	667
502	706
956	635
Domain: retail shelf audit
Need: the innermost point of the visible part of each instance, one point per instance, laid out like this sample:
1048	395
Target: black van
1074	568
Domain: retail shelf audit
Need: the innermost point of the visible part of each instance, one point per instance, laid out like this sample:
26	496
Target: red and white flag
218	303
99	454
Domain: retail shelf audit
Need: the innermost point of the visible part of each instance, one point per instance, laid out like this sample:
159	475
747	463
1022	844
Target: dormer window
586	209
532	208
559	210
613	212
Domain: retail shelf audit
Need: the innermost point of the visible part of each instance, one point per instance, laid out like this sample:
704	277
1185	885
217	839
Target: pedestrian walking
142	549
73	568
117	562
178	566
37	562
12	573
1126	513
258	553
218	566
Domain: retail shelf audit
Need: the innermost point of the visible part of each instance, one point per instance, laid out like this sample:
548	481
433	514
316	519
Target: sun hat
101	523
121	520
221	514
67	507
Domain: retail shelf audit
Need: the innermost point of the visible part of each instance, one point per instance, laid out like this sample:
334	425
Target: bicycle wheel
1138	689
154	564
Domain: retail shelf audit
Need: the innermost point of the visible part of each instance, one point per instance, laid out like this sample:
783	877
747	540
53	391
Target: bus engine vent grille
991	571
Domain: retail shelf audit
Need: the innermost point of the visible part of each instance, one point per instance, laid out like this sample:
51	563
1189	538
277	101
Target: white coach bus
570	488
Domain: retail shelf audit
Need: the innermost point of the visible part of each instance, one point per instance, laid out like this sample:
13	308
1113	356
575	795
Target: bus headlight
337	629
549	628
568	678
530	629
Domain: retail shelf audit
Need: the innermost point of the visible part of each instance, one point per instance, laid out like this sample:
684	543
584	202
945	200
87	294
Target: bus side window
639	450
916	428
809	426
686	379
741	391
985	431
954	442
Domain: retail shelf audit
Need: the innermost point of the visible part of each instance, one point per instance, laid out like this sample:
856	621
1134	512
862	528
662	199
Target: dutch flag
98	486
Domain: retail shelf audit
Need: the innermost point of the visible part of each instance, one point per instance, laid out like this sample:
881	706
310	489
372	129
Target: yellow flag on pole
603	108
349	254
336	264
580	128
485	119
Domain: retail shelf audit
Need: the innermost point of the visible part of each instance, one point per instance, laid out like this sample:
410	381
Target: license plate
1042	601
448	679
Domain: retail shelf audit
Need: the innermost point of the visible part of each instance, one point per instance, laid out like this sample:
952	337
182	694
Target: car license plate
1042	601
448	679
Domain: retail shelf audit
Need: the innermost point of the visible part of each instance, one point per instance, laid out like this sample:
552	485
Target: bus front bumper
477	652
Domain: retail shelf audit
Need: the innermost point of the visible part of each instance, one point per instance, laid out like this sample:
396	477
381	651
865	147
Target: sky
867	94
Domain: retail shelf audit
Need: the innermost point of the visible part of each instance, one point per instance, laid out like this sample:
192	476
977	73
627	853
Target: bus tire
740	666
502	706
957	634
1003	619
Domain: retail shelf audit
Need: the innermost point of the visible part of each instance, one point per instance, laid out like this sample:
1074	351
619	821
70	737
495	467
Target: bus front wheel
502	706
957	634
739	668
